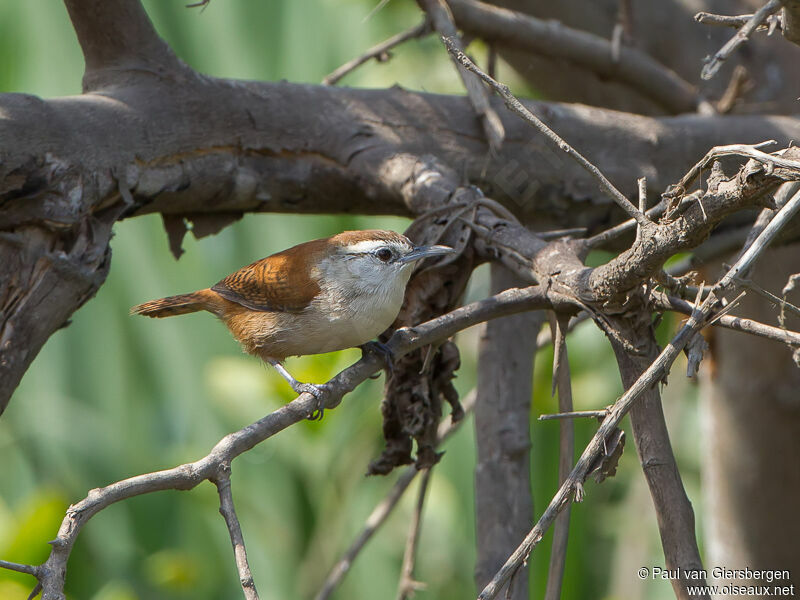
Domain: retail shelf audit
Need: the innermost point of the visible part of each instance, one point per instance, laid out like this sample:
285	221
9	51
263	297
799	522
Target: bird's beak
420	252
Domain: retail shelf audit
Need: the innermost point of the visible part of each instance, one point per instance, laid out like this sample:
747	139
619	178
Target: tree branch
557	141
673	509
379	52
382	511
407	586
212	149
442	19
503	500
740	37
790	19
120	44
656	371
510	29
566	452
187	476
226	508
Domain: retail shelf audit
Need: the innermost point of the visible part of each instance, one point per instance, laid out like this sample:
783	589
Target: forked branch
52	573
654	373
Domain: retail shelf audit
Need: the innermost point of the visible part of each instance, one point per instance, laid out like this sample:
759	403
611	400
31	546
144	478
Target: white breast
355	304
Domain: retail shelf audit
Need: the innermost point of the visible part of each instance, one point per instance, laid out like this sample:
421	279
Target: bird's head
375	259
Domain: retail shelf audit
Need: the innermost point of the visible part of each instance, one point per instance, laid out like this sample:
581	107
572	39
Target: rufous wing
281	282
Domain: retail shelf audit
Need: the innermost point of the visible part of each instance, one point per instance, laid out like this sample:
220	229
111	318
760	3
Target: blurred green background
113	396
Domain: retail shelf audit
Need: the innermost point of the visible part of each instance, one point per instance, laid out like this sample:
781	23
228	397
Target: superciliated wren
319	296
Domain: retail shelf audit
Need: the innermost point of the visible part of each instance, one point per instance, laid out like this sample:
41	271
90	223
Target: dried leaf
791	285
175	226
204	224
606	465
695	350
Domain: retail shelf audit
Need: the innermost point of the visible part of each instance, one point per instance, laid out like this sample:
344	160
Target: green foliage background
112	396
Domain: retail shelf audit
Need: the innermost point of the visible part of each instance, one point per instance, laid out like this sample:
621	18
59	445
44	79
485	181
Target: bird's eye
384	254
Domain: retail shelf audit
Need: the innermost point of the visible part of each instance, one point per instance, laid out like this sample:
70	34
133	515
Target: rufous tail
173	305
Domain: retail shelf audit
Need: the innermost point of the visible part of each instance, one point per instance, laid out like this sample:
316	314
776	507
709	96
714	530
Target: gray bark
503	501
212	149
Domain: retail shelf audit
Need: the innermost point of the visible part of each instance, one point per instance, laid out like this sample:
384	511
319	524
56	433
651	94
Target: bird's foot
319	392
383	350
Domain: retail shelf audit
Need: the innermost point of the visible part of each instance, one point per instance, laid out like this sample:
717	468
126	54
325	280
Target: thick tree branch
510	29
211	149
503	500
120	44
673	509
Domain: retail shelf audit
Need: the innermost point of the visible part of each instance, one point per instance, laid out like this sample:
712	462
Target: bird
319	296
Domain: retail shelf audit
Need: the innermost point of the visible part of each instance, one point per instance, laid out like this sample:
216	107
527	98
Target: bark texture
208	150
503	501
752	419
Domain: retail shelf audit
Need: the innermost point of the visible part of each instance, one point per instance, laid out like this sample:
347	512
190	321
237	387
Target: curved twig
407	586
228	512
630	66
384	508
379	52
566	452
442	19
517	107
654	373
187	476
740	37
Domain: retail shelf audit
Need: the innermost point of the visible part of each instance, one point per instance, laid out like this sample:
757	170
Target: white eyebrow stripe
369	246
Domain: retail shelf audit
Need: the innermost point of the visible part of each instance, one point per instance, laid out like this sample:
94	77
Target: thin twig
642	186
782	303
376	518
735	21
747	150
442	19
770	332
617	231
228	512
188	476
375	10
577	414
559	43
566	453
517	107
21	568
382	511
715	62
654	373
379	52
407	586
738	86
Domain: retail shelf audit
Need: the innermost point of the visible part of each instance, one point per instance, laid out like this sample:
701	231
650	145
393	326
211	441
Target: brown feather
353	237
281	282
172	305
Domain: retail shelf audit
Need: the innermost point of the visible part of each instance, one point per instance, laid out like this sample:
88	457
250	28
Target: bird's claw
318	391
383	350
